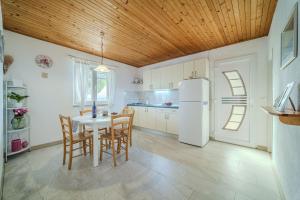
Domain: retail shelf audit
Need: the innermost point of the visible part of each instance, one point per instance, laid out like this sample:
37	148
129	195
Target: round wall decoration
43	61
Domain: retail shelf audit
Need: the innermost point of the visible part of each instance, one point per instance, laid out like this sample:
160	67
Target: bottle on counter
94	110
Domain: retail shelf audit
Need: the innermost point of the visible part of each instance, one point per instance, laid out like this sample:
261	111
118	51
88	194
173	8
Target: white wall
286	139
258	48
52	96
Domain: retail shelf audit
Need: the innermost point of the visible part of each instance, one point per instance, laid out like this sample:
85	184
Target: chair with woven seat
128	110
119	134
84	139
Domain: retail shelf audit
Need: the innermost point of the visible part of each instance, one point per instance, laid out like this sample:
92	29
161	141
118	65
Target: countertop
174	106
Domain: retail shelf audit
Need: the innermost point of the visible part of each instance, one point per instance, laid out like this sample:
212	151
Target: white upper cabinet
188	69
176	75
169	77
196	68
201	67
156	79
147	80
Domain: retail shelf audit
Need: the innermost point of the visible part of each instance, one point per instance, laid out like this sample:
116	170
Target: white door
142	116
172	121
232	95
160	120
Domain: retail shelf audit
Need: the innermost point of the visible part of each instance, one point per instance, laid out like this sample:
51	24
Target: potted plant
19	122
18	98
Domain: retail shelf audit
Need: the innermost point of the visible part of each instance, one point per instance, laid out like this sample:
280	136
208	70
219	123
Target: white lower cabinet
166	120
137	113
172	121
160	119
146	117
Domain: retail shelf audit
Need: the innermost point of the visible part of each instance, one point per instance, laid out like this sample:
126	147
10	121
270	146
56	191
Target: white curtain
80	82
111	89
83	72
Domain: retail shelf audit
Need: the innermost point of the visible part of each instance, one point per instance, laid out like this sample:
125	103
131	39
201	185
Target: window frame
94	89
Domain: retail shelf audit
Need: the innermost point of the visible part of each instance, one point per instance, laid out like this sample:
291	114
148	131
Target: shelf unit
10	133
288	117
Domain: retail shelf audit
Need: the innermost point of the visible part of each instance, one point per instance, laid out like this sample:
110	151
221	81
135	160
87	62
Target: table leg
95	145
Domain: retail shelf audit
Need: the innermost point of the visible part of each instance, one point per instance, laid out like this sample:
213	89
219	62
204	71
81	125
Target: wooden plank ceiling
140	32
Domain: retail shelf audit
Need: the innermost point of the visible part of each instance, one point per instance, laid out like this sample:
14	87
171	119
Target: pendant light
102	67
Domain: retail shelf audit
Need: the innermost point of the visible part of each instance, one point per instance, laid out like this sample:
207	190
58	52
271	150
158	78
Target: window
89	84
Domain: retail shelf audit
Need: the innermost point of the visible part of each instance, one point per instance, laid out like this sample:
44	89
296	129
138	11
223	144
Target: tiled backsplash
152	97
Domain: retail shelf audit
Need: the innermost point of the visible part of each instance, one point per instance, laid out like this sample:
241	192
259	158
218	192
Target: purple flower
20	112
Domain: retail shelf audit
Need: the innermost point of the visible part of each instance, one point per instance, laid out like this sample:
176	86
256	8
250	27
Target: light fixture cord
102	36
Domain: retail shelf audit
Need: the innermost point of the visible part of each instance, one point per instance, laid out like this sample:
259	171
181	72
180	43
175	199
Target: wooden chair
69	139
127	110
119	133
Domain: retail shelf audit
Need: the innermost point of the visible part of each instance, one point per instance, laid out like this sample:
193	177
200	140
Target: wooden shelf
289	117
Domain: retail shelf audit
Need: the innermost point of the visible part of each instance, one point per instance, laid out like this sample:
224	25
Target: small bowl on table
114	113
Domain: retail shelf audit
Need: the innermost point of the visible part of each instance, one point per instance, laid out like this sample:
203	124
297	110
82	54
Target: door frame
253	64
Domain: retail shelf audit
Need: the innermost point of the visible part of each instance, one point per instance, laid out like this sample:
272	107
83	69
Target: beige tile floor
159	167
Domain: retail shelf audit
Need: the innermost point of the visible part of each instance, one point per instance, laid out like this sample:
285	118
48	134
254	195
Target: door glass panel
236	83
232	126
238	110
236	118
238	91
232	75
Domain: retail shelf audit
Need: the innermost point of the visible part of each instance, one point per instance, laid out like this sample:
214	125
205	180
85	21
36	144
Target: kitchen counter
174	106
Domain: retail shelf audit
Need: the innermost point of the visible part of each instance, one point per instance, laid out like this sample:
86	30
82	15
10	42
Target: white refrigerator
194	112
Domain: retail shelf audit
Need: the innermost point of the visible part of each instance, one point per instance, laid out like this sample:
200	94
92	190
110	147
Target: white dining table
99	122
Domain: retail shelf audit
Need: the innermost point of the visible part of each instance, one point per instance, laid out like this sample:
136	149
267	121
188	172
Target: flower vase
18	122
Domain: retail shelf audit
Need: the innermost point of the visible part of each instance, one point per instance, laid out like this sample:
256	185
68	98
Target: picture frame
289	39
281	101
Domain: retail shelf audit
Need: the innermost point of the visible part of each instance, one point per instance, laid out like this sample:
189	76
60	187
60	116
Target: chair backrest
127	110
66	126
85	111
121	122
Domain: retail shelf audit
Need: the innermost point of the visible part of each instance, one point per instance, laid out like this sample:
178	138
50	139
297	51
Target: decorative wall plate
43	61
